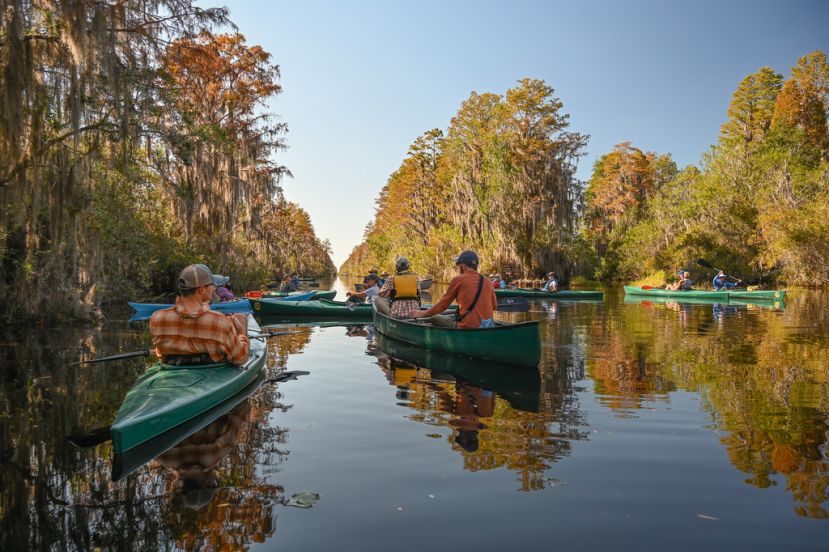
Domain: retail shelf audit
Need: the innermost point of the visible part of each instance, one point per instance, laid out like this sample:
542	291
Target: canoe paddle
510	304
148	352
706	264
100	435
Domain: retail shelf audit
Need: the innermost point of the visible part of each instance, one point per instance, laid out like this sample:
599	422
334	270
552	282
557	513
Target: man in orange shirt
189	333
474	294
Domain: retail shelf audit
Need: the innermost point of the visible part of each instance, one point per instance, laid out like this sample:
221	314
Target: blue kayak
143	311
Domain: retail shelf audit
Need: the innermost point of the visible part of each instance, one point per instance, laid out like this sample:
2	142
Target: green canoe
722	296
518	385
568	294
165	396
321	309
507	343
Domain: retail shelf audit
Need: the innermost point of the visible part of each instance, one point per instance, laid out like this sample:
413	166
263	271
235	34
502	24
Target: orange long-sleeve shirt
463	289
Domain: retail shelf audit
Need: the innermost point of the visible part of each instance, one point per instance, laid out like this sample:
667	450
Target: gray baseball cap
196	275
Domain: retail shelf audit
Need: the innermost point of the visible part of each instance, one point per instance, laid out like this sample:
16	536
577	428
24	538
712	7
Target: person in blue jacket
721	282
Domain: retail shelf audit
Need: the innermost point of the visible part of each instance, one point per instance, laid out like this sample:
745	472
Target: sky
363	79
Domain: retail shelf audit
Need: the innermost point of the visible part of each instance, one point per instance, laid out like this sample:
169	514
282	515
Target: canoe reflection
518	385
499	415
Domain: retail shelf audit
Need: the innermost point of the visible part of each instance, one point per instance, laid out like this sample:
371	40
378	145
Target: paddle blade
513	304
122	356
426	283
91	438
706	264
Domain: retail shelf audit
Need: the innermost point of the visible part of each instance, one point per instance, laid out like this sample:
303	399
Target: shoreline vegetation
133	142
501	180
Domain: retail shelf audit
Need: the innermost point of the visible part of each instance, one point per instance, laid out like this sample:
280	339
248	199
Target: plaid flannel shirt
177	331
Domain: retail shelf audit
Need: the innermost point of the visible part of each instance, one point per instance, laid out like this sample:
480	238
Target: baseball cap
469	258
196	275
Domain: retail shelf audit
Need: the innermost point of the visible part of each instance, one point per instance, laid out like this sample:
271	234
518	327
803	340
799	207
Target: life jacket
405	287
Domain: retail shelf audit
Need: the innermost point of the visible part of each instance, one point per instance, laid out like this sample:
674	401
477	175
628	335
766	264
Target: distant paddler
472	291
369	293
552	282
721	282
684	283
189	333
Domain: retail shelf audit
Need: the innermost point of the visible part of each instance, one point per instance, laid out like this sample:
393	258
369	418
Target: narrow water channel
647	426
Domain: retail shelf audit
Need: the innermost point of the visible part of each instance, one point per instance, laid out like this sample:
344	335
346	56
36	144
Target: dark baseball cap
469	258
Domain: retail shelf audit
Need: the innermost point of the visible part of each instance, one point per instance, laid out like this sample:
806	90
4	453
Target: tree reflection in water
762	373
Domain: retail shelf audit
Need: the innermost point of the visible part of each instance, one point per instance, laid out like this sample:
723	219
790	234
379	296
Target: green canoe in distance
568	294
323	309
721	296
165	396
518	385
518	344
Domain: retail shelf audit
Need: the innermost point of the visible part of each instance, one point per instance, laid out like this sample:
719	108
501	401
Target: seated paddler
722	283
189	333
401	290
472	291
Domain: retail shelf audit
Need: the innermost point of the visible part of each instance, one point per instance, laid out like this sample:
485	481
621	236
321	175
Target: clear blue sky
363	79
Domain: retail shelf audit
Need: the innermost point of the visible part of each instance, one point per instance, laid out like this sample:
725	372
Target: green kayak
165	396
124	463
506	343
518	385
568	294
321	309
723	296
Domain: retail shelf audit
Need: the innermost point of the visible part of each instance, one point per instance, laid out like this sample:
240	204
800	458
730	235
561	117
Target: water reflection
766	393
758	374
495	413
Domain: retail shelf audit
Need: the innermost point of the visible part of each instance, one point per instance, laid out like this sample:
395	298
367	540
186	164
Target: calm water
648	426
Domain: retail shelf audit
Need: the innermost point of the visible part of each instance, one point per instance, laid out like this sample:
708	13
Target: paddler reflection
195	459
467	402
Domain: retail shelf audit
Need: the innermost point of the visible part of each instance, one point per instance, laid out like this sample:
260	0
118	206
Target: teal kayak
166	396
124	463
723	296
568	294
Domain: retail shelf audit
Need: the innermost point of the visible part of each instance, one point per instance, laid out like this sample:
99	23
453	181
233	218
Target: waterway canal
649	426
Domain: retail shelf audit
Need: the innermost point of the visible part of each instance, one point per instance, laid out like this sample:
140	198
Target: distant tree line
132	142
502	182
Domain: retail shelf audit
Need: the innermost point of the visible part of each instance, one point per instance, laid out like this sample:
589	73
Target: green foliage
757	207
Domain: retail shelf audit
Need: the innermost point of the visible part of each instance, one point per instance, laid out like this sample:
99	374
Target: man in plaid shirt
189	329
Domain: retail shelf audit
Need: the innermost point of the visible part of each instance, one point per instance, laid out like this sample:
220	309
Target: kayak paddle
706	264
100	435
148	352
